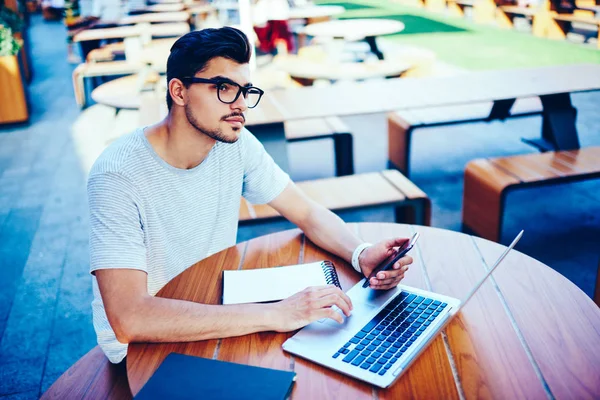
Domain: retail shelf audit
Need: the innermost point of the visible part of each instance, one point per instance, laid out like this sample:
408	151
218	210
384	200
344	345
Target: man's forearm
330	232
156	319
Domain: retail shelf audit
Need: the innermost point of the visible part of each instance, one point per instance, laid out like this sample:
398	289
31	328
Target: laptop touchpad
355	321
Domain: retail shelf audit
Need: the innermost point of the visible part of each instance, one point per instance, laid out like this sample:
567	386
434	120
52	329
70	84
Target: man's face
204	110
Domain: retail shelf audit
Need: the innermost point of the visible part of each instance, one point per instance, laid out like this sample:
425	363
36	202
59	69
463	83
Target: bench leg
503	20
344	154
399	138
558	122
484	11
272	137
373	45
418	212
455	10
483	207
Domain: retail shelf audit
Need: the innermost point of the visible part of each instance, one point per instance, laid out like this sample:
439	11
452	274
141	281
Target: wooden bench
561	24
90	70
487	182
401	124
506	14
483	10
361	191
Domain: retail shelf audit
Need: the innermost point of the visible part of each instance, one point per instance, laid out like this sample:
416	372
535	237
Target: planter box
13	103
24	56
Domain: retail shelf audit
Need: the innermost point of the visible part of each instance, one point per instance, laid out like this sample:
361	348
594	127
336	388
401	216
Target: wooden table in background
165	8
315	13
156	30
155	17
553	85
528	333
356	29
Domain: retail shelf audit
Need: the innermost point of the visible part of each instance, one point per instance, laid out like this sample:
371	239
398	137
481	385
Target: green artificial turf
463	43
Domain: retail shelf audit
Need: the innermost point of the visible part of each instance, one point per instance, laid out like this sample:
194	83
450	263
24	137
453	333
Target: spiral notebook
272	284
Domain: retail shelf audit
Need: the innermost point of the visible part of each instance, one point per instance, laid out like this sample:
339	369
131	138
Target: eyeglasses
228	91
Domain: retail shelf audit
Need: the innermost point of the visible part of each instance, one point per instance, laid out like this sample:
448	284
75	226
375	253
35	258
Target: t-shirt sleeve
264	180
116	227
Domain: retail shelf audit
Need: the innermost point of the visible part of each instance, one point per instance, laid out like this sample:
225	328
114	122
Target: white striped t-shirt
148	215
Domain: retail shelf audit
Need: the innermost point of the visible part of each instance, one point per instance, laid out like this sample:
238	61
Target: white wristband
359	249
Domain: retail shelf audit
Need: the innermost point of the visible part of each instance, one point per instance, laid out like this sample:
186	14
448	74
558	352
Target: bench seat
108	68
487	182
361	191
402	123
561	24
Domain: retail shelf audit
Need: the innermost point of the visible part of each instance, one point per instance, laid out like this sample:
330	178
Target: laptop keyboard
384	339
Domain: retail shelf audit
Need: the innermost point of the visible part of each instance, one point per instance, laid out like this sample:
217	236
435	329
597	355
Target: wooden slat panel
352	191
560	324
264	349
527	169
483	186
430	376
585	161
489	357
405	185
344	192
207	275
315	381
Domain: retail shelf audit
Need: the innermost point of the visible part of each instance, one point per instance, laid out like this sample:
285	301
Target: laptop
386	332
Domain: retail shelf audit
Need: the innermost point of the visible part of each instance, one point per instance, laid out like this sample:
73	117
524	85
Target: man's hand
374	255
310	305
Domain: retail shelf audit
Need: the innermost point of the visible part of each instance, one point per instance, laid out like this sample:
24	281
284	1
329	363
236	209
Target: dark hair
194	50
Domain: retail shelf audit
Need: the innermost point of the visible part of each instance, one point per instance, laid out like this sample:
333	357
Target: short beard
216	134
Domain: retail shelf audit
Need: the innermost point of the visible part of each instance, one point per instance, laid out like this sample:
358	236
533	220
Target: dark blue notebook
187	377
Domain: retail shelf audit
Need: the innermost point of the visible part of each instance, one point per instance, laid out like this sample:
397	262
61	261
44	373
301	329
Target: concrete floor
45	287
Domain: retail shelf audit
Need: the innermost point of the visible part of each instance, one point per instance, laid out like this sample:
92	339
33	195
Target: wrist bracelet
359	249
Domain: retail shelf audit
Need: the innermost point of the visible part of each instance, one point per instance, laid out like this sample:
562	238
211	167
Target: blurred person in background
270	19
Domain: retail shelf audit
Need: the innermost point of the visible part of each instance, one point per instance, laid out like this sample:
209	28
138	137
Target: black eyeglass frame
241	89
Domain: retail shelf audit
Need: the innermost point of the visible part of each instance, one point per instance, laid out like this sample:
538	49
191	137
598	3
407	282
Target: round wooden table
311	12
307	71
124	93
527	333
156	17
356	29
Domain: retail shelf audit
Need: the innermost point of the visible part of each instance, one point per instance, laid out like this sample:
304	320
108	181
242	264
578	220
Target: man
167	196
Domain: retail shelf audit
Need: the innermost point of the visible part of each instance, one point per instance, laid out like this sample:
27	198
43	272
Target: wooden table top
201	9
312	11
165	1
528	332
157	30
373	97
354	29
156	17
165	8
299	67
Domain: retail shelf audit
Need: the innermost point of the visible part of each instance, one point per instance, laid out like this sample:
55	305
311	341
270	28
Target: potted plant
13	104
12	18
